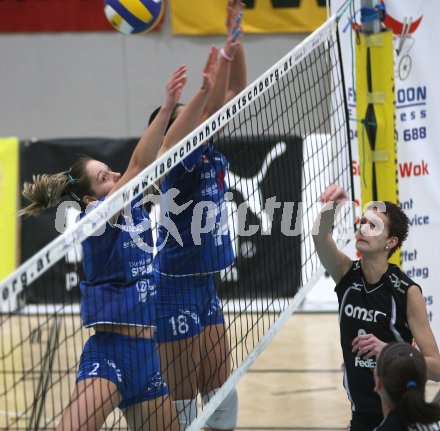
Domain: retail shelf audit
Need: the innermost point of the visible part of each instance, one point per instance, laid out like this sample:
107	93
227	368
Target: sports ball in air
134	16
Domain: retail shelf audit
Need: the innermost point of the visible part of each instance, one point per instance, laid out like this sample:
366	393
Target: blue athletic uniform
186	296
119	289
119	286
132	364
185	305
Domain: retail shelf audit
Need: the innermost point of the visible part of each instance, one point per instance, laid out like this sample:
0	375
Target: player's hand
175	86
367	346
232	44
235	29
334	193
210	69
235	9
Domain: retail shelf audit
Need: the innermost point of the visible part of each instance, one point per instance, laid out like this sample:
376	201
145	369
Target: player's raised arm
189	117
238	71
334	261
148	146
218	96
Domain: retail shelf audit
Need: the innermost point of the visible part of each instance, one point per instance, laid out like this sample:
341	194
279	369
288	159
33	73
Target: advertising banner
261	16
413	23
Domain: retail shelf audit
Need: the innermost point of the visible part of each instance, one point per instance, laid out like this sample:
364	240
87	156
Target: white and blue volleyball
134	16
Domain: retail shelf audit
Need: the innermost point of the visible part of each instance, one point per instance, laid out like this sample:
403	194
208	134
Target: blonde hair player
119	365
378	303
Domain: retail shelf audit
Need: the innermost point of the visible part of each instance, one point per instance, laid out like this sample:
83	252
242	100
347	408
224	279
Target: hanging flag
414	27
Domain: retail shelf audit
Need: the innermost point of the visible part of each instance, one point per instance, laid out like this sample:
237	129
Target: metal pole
372	26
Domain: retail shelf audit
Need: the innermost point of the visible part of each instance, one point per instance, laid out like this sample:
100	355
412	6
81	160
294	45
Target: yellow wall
9	154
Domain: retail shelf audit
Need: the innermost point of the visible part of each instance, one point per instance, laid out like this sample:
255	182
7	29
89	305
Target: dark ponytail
402	369
173	116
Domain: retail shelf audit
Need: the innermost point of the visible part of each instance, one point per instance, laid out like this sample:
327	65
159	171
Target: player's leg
216	361
92	400
98	389
151	415
178	335
216	364
216	368
146	403
180	363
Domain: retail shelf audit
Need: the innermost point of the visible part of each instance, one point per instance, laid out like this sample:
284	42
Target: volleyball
134	16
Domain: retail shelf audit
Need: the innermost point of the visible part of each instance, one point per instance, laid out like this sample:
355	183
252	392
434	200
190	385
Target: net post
371	26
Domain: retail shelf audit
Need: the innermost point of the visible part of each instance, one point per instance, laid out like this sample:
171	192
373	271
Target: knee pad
186	412
225	416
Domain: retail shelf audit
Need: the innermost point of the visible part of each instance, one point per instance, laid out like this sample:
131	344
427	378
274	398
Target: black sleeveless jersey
378	309
394	423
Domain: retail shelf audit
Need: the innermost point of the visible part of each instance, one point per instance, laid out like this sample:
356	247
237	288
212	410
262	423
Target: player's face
372	236
102	178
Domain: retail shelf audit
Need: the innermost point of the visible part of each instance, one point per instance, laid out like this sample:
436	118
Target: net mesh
284	138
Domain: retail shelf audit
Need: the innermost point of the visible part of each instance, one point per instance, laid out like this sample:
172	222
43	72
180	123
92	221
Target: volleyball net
285	138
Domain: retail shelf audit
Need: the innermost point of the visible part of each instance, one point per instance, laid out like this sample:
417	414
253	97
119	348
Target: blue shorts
185	305
131	363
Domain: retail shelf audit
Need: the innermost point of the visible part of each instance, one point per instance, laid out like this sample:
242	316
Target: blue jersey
201	177
119	286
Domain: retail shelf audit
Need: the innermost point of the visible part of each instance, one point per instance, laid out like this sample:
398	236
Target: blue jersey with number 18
203	225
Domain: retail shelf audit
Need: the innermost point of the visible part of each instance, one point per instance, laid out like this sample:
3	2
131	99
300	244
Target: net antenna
286	138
